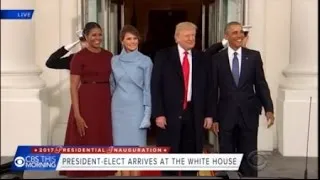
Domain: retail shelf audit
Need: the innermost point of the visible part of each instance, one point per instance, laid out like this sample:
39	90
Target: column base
292	122
24	118
24	78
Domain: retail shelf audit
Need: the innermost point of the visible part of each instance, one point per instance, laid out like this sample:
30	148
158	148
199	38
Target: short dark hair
90	25
231	24
129	29
82	39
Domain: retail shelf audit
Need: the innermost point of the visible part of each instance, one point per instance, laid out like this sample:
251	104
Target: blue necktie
235	68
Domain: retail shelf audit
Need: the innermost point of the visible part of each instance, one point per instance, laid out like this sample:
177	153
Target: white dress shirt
231	56
181	54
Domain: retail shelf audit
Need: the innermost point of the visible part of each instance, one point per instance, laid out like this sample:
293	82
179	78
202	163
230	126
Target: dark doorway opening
156	21
160	34
161	28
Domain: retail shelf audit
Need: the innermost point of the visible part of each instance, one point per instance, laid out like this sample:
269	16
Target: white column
22	99
300	84
71	22
302	70
17	49
257	40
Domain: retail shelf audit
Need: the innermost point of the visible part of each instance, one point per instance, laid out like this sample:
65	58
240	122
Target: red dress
94	105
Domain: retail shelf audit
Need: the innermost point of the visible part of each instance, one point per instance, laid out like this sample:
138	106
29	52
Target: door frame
109	19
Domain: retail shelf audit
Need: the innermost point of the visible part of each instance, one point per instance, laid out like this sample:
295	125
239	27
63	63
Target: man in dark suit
181	96
240	91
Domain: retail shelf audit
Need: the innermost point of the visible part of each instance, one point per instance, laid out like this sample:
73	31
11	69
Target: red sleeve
76	65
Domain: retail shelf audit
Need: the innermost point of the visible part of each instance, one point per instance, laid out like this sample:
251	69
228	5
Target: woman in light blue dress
130	88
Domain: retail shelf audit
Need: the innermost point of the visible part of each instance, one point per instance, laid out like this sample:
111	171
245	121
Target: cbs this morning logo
257	160
19	161
35	162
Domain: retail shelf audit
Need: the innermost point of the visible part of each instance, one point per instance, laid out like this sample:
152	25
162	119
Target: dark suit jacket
167	92
57	61
251	94
213	49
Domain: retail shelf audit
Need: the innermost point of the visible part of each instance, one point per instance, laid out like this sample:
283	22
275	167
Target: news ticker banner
17	14
57	158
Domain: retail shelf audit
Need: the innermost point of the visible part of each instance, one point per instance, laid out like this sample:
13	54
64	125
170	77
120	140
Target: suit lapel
195	61
244	66
176	62
178	67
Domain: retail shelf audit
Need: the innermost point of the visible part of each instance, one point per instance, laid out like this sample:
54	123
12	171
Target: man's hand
161	122
207	123
215	128
270	118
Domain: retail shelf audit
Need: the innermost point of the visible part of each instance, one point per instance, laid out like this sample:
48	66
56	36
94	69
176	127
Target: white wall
46	41
257	41
56	24
270	34
277	48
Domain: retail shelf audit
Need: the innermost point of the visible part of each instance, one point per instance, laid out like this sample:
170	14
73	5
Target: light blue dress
131	98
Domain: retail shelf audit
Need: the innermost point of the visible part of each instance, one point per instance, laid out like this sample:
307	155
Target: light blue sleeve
112	79
147	94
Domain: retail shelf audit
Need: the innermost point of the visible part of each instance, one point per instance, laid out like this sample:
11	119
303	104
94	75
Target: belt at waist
95	82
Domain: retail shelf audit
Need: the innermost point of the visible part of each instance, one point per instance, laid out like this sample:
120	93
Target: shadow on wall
54	103
58	96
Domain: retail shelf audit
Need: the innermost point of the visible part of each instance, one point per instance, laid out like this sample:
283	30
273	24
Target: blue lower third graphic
25	160
23	14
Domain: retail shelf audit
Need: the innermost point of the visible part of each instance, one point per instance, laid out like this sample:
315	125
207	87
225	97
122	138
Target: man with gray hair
181	95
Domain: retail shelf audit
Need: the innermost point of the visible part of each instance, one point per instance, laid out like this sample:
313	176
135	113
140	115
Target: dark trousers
187	141
241	139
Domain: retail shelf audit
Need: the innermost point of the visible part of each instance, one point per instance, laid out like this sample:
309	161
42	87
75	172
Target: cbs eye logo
257	160
19	161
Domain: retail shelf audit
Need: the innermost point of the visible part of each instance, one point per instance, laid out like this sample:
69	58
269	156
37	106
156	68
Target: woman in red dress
90	115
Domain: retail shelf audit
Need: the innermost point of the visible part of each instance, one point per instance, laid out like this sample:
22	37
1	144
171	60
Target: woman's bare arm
75	81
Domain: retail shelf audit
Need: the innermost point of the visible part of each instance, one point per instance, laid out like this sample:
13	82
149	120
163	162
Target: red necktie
186	71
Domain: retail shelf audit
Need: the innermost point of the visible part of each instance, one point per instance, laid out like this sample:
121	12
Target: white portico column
256	17
23	108
300	84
